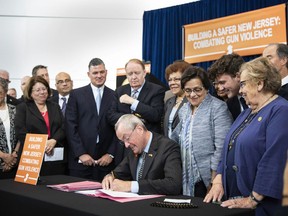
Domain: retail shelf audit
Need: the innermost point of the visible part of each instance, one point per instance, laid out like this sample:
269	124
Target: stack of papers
117	196
76	186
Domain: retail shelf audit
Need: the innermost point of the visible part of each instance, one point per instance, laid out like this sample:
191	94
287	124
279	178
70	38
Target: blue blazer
260	151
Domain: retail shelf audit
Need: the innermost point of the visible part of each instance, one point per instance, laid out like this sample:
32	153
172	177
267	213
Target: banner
246	34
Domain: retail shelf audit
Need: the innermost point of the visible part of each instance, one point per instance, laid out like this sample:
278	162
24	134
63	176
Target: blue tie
134	94
98	100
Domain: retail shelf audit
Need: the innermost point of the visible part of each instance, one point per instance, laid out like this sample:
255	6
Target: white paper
178	200
57	155
118	194
86	192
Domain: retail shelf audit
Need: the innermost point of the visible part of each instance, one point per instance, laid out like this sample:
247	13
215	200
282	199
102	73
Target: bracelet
253	198
111	156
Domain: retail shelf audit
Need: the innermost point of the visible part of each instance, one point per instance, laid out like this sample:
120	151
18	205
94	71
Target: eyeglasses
60	82
126	139
197	90
39	90
175	79
243	83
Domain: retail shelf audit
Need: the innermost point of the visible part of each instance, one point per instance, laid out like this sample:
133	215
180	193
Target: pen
112	173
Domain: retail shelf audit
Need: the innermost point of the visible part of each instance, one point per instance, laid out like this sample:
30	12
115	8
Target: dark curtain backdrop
162	28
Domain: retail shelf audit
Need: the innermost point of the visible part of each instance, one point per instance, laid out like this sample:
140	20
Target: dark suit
283	92
167	111
83	125
29	120
234	106
162	173
150	107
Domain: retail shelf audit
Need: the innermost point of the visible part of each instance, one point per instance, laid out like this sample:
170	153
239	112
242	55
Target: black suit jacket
83	125
283	92
162	173
167	111
150	107
29	120
234	106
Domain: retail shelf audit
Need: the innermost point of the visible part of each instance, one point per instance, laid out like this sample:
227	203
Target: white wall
66	34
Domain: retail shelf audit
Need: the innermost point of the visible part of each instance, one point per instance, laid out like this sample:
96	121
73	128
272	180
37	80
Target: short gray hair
129	121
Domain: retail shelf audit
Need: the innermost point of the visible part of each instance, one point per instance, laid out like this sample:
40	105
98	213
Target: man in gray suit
152	167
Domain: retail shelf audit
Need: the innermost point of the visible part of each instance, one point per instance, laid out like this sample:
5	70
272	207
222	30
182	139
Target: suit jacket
283	92
29	120
167	111
150	107
83	125
234	106
162	173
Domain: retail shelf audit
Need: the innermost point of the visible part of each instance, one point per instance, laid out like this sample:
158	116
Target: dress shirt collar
284	80
139	89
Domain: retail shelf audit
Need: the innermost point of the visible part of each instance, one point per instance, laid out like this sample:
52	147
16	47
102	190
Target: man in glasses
64	85
224	73
10	100
153	166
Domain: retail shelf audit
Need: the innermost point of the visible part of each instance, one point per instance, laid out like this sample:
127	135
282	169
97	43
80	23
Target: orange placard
246	34
31	158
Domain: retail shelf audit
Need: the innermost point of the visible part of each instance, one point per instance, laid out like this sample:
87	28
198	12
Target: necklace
178	101
263	104
242	126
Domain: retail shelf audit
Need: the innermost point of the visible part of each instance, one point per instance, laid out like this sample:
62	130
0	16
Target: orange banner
31	158
246	34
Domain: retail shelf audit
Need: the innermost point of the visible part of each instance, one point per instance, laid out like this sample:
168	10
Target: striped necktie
140	172
64	104
134	94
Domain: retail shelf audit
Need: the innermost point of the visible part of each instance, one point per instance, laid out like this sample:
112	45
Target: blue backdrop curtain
162	28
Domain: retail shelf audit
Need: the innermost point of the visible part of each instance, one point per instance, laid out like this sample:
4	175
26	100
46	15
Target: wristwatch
252	197
111	156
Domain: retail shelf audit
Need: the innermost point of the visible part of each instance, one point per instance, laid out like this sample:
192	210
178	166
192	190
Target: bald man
10	100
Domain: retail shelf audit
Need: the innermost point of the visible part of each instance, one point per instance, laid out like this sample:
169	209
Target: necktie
63	108
134	94
98	99
140	172
243	103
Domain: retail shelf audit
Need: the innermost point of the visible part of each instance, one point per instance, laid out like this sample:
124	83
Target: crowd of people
229	147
